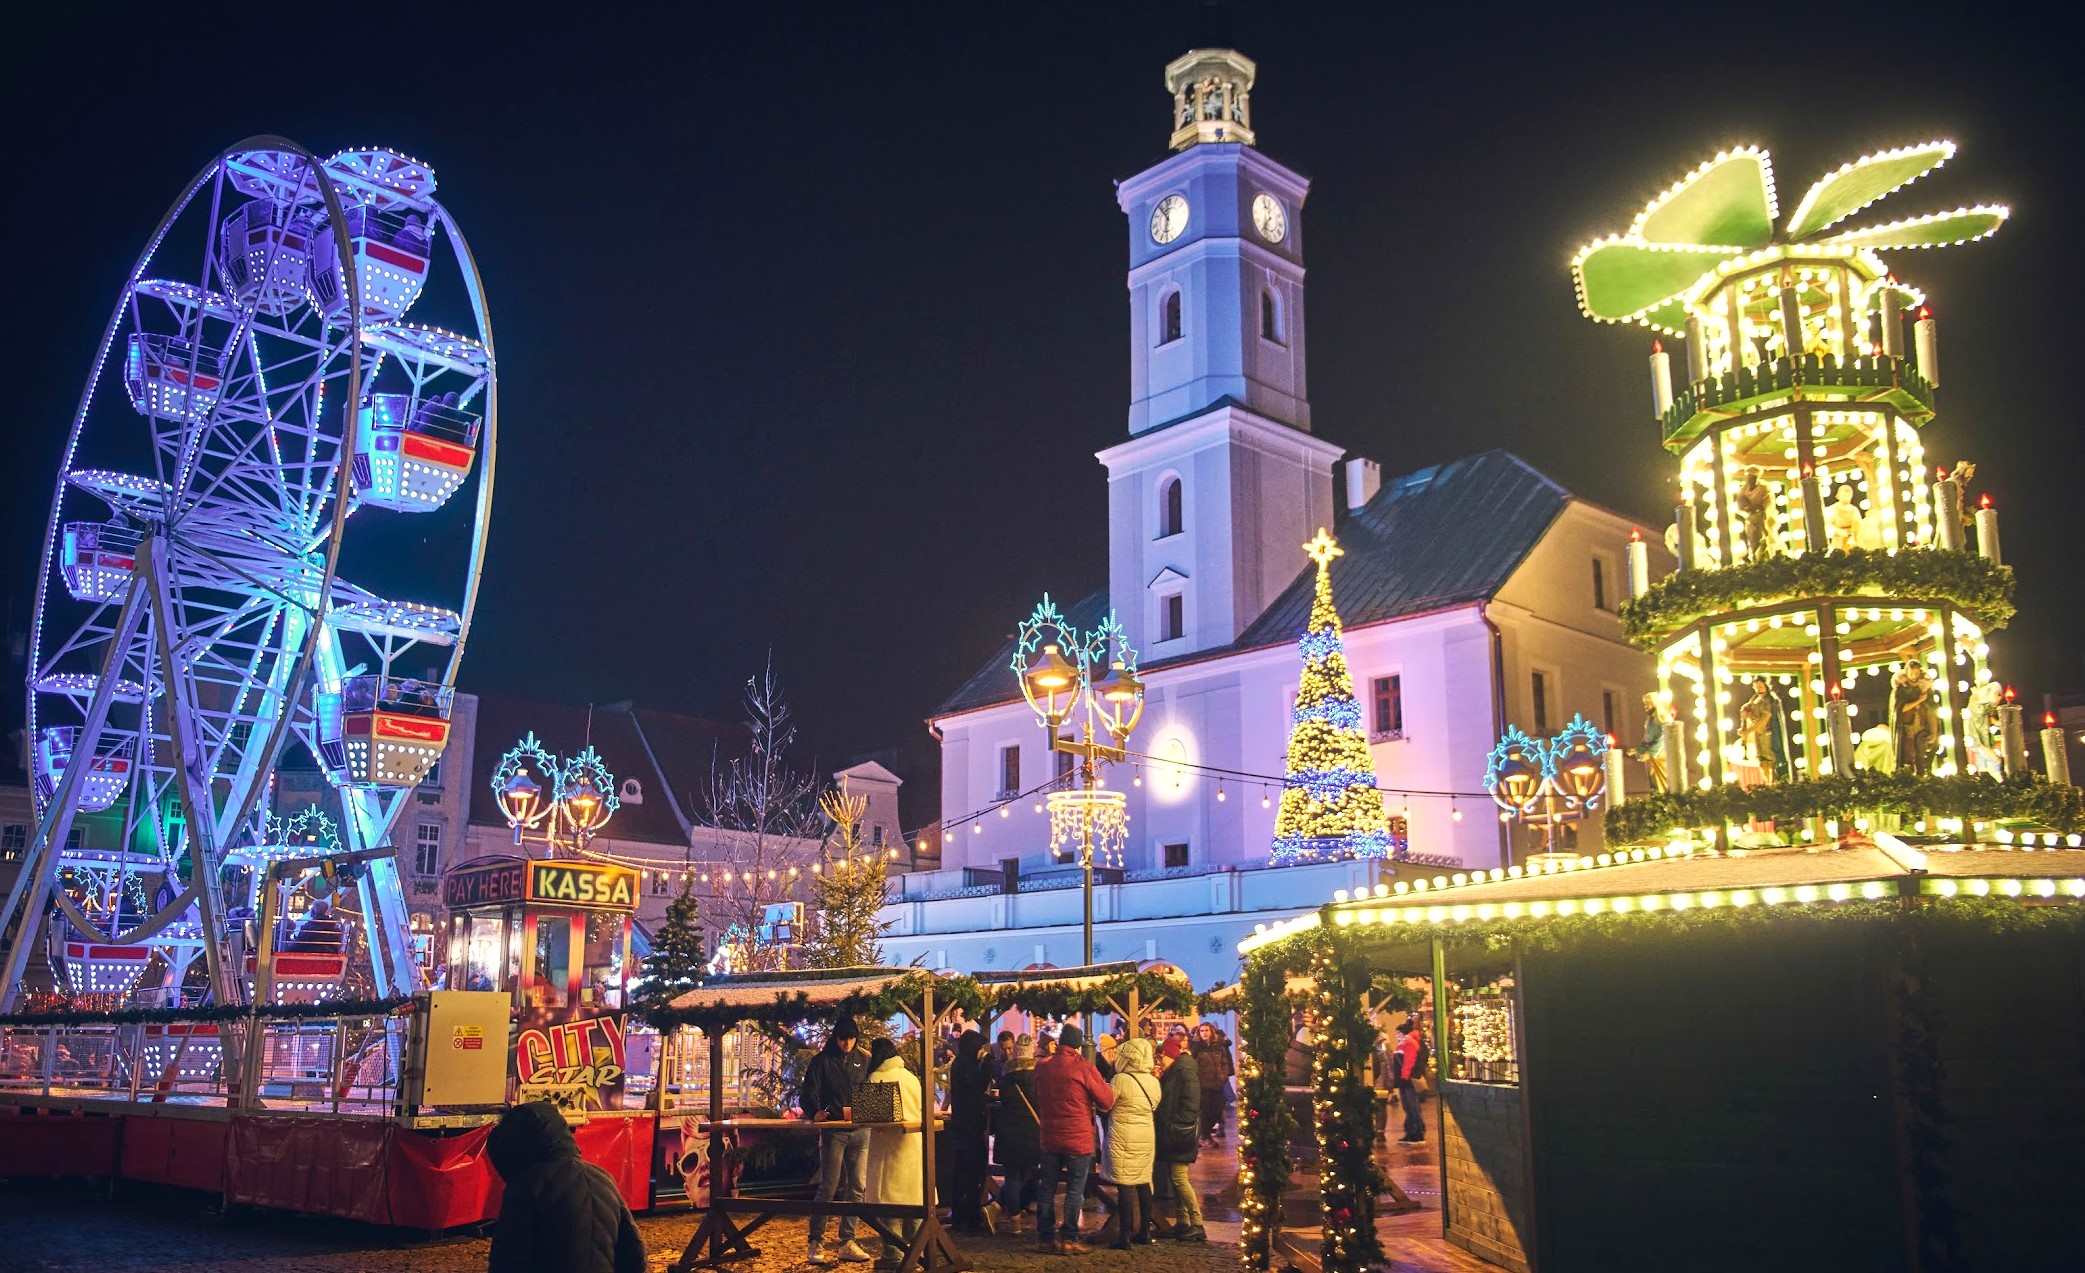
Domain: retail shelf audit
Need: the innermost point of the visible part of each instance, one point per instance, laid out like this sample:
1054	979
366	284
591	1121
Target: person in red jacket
1068	1093
1406	1057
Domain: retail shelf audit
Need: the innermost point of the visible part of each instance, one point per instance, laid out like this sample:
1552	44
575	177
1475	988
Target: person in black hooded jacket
560	1213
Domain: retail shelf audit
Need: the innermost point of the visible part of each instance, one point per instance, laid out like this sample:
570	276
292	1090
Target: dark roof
677	761
1442	536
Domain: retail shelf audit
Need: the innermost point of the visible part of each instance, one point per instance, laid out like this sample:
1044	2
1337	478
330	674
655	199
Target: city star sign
582	885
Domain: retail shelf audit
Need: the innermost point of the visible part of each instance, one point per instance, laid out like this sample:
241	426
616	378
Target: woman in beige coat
1133	1139
896	1156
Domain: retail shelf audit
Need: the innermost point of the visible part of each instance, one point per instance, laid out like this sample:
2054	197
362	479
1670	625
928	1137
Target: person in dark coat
1212	1057
1016	1136
827	1093
965	1140
560	1213
1179	1127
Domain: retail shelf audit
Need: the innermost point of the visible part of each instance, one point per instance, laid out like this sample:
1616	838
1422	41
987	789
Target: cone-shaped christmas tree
1330	808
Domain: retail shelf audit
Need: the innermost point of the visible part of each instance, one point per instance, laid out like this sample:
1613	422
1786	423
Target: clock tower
1221	480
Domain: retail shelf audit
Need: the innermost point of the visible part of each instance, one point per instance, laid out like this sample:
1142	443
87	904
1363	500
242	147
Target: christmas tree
847	893
1330	808
679	955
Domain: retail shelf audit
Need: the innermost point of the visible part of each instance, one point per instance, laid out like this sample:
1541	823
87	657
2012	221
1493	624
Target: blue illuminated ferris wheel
265	537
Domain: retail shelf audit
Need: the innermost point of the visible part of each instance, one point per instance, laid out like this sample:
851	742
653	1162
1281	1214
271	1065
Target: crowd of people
1040	1112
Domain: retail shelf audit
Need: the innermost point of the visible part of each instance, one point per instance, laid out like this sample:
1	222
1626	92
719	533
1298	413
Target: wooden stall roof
1078	977
822	987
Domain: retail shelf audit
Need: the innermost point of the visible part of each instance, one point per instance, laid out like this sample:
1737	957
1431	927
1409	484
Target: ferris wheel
266	533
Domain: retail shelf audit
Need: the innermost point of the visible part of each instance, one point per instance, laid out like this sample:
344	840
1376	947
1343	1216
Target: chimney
1364	479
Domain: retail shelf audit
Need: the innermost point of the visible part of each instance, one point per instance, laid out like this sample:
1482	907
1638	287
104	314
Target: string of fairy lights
1167	768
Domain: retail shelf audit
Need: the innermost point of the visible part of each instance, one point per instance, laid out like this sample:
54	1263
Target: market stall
788	999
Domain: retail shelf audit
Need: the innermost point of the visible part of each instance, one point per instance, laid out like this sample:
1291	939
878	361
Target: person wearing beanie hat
827	1093
1016	1137
1178	1123
1068	1093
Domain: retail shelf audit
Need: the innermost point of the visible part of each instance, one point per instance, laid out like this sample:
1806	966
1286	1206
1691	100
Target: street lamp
582	795
1548	784
1057	688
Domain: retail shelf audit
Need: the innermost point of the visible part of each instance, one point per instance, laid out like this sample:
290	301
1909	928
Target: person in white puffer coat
1133	1138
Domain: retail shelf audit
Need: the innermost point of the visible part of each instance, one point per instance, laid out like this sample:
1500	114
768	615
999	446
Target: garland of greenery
1976	797
1264	1122
1064	1000
791	1007
1929	576
1343	1111
211	1013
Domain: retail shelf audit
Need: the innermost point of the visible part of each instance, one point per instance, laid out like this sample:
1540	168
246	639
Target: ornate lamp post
1548	783
1057	688
581	796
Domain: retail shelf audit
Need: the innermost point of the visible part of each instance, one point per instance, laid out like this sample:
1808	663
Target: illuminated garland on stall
1064	1000
1971	797
211	1013
1330	807
1343	1106
794	1007
1264	1121
1930	576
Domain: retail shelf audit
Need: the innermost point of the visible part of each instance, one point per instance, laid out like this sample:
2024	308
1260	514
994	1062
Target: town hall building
1475	594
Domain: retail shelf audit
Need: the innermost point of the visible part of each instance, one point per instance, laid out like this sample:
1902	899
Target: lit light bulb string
1268	783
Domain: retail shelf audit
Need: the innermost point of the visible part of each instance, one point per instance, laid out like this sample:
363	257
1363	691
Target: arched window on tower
1170	518
1169	328
1270	316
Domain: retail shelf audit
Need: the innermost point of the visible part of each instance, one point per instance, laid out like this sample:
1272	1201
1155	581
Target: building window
1270	317
72	839
1172	616
1539	696
1009	769
1170	508
1611	713
1175	855
661	883
14	840
1169	328
433	780
1387	693
1601	601
876	836
1064	759
427	848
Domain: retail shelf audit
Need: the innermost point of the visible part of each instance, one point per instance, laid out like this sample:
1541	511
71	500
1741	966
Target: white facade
1210	501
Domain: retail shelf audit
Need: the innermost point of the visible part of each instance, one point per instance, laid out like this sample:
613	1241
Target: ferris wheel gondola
195	613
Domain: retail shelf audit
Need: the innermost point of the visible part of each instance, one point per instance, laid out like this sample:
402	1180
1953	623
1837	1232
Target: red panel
418	729
622	1147
48	1146
440	1182
436	451
186	1152
317	1166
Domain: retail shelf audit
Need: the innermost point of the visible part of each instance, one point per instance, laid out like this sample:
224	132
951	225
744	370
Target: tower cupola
1212	97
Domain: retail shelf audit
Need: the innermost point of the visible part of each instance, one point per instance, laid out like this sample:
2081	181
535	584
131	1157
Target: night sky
809	321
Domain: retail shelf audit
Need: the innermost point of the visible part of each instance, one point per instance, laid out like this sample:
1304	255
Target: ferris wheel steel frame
297	628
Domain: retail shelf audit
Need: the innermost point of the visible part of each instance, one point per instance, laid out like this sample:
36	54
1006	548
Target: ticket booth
554	936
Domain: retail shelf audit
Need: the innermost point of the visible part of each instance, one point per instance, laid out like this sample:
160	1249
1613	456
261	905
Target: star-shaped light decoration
1323	548
1721	219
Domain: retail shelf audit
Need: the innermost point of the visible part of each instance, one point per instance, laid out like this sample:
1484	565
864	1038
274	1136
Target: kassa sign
591	885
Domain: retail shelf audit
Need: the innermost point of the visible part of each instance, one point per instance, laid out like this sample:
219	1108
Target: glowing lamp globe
584	807
1052	686
1580	773
520	797
1121	694
1519	778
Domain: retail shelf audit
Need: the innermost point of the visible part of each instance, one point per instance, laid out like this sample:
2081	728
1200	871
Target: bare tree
765	824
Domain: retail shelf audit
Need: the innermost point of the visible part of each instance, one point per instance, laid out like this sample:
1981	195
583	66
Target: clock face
1168	219
1268	217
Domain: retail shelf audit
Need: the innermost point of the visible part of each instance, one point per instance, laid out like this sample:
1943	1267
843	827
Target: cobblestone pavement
150	1231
